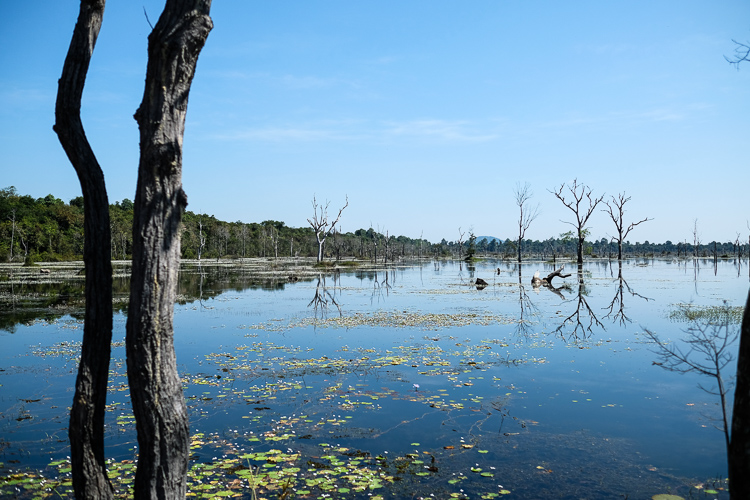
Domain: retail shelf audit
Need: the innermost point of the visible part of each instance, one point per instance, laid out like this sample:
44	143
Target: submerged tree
616	212
321	225
582	204
461	243
86	431
527	212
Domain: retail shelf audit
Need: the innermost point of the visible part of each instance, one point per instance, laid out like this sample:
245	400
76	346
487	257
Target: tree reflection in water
324	298
616	308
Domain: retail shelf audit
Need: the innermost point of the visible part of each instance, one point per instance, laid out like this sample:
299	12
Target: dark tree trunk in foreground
739	448
155	386
86	430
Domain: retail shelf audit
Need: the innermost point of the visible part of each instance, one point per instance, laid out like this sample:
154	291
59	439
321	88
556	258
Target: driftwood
537	281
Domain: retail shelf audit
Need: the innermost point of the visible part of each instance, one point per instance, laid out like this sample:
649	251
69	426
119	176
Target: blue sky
424	113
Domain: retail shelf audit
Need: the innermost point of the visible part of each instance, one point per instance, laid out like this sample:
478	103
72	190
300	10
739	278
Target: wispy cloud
30	98
347	130
289	81
622	118
314	82
608	49
446	130
281	134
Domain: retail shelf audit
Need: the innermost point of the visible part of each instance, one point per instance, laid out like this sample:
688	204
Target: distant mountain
489	239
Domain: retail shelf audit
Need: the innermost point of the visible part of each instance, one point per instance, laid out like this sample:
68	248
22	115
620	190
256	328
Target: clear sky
426	113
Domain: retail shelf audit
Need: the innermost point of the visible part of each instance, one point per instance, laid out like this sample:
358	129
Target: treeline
49	229
565	247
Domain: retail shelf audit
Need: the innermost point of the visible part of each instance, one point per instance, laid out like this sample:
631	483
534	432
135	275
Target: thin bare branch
579	201
741	53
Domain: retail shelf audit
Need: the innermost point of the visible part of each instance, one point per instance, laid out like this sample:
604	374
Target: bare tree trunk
155	386
12	219
86	430
581	241
739	449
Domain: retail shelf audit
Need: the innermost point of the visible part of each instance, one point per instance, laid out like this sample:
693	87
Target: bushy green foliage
48	229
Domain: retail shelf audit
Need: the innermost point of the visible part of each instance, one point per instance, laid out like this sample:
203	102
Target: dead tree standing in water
321	225
616	212
582	204
527	213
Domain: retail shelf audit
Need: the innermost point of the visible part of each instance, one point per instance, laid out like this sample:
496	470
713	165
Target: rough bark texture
155	387
86	430
739	448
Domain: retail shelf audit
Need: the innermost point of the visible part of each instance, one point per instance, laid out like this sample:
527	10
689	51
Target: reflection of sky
609	366
602	383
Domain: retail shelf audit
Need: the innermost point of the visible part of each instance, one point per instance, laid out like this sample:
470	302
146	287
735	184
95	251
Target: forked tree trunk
155	387
321	242
739	448
86	430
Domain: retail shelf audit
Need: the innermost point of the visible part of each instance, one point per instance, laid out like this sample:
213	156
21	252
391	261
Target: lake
405	382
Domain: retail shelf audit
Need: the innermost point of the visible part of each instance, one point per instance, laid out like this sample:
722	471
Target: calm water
543	393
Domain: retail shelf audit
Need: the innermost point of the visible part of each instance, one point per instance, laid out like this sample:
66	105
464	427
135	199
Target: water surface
415	374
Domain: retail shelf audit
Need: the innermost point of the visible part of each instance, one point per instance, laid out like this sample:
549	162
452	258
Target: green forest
49	230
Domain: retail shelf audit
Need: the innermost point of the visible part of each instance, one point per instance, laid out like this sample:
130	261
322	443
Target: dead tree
155	386
536	281
460	243
201	238
582	204
616	212
321	225
696	239
12	219
527	213
86	431
741	54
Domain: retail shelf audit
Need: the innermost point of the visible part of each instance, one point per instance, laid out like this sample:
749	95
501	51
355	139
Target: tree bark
155	386
739	448
86	431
